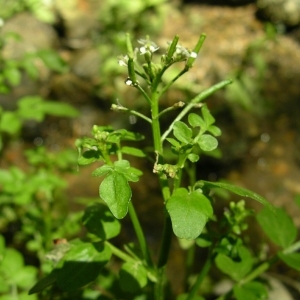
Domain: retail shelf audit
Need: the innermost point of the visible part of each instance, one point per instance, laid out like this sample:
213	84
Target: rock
34	35
80	20
285	12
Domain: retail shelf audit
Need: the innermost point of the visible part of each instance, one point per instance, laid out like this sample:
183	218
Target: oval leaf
278	226
207	142
182	132
189	213
116	192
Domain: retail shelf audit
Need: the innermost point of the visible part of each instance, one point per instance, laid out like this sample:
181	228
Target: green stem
200	278
116	107
172	81
259	270
140	235
166	241
293	248
117	252
189	264
146	96
200	97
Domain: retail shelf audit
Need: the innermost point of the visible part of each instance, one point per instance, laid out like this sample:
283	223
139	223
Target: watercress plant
188	210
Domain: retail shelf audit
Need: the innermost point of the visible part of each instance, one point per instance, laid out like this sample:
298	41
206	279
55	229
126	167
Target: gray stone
285	12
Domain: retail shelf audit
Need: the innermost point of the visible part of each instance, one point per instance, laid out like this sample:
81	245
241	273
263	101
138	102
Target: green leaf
208	118
2	246
103	170
89	157
235	269
31	107
116	192
297	200
182	132
189	213
25	277
173	142
13	75
237	190
133	276
123	167
59	109
250	291
128	135
12	262
185	296
29	65
278	226
44	283
216	131
53	61
204	241
195	120
99	221
207	142
133	151
291	259
193	157
81	265
10	123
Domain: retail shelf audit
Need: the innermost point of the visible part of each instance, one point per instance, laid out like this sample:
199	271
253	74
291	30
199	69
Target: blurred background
60	53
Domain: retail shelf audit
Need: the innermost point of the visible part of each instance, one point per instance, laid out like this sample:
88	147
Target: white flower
147	46
123	60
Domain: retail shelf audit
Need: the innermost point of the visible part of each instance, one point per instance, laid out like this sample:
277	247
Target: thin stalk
172	81
189	263
167	231
177	105
259	270
146	96
293	248
166	241
116	107
200	97
117	252
140	235
159	286
200	278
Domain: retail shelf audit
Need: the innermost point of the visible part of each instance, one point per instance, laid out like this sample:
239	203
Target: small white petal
143	50
193	54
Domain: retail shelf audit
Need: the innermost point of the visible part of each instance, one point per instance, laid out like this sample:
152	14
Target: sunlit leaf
207	142
189	213
250	291
10	122
182	132
236	190
278	226
116	192
195	120
133	151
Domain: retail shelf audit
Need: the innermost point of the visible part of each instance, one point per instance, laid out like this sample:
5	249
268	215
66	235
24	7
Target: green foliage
95	266
41	9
